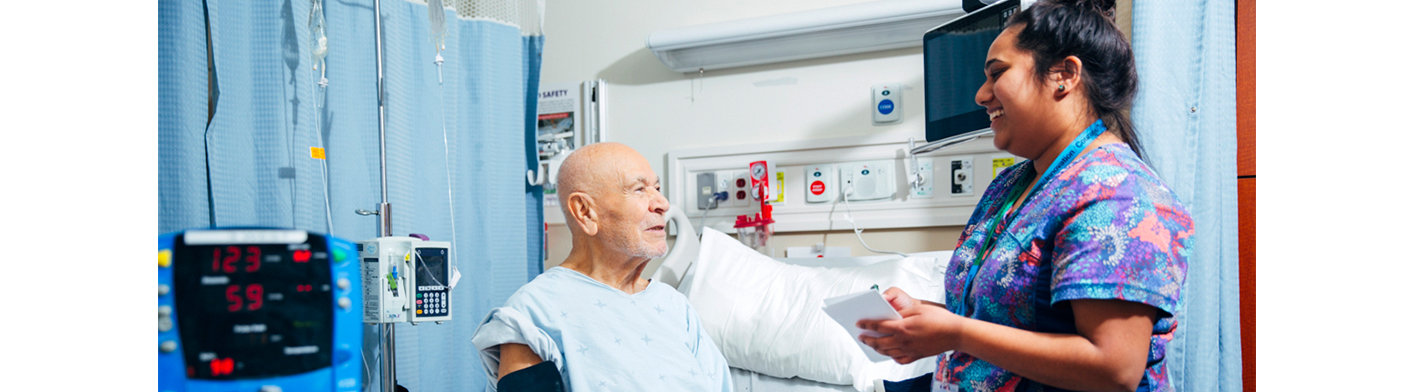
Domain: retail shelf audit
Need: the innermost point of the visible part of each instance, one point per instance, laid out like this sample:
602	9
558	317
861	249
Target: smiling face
1018	104
634	208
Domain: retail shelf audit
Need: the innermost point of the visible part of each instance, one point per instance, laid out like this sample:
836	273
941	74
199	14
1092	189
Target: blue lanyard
1063	159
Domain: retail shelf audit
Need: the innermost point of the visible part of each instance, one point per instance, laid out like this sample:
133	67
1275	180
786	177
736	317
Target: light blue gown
604	339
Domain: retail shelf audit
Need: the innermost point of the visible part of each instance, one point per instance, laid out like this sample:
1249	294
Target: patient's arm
514	357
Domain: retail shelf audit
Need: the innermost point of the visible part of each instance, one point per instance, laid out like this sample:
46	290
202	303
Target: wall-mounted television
953	72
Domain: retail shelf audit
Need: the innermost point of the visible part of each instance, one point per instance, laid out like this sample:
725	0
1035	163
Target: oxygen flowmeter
406	279
755	230
259	310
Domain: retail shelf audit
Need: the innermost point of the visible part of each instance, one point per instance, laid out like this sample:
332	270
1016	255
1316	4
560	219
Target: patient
591	323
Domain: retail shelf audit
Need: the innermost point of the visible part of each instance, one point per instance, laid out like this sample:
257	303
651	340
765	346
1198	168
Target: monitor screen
953	70
253	310
430	271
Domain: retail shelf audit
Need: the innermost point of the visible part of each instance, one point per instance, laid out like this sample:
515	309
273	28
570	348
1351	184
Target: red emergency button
817	188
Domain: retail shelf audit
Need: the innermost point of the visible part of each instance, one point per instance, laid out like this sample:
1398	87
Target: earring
1061	88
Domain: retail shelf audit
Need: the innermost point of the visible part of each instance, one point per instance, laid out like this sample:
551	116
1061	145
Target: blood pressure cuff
918	384
543	377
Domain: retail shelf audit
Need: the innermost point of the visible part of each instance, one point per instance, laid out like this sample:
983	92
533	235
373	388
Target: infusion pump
405	279
265	310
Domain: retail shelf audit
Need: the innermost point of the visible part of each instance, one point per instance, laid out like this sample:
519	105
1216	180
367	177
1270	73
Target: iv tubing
449	182
325	182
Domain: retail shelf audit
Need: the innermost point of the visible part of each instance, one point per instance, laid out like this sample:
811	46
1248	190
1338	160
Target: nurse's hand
899	299
925	330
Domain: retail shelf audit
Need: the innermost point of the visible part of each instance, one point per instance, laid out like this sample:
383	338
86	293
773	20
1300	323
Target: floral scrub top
1104	228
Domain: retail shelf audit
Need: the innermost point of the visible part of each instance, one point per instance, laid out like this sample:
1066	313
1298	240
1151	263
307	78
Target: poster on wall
559	121
568	116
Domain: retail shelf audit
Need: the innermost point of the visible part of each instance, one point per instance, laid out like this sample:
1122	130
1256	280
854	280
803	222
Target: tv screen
953	71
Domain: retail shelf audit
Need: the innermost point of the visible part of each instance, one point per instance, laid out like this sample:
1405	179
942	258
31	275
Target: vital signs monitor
259	310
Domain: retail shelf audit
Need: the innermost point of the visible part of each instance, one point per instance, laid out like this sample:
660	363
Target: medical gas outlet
961	170
924	189
406	279
755	230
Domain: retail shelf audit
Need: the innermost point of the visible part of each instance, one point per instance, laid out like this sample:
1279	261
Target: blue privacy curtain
456	152
533	194
182	115
478	116
259	164
1185	111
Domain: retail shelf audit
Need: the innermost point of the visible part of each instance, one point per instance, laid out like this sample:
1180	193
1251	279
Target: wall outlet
741	189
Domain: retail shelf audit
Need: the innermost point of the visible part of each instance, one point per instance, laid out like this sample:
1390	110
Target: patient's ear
585	217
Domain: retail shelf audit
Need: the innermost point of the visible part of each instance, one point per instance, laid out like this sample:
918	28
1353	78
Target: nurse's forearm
1108	354
1061	360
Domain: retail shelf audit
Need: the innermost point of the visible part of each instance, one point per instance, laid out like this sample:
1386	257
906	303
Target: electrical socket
741	189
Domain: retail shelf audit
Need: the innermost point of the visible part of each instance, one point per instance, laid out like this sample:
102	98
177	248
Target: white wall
654	109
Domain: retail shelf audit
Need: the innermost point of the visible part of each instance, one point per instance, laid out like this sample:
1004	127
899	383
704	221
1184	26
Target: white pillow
765	315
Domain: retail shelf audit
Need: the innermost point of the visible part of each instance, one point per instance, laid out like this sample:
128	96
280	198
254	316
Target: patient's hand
926	330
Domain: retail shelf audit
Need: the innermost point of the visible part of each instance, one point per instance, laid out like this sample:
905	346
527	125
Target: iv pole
387	345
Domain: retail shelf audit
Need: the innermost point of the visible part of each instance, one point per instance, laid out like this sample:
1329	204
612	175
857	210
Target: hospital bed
681	260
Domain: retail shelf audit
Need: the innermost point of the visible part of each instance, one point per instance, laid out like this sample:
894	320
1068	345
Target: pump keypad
432	303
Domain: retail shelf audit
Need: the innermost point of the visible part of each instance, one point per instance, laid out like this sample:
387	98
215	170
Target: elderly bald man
592	323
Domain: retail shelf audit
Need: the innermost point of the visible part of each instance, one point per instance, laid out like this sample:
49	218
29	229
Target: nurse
1071	266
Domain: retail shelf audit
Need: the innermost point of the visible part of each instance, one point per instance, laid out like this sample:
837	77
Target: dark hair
1055	29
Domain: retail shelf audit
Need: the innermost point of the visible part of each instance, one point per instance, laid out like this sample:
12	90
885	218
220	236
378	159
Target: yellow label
165	258
780	187
318	153
1002	163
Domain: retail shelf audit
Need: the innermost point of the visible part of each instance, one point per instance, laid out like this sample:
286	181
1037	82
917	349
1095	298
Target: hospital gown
604	339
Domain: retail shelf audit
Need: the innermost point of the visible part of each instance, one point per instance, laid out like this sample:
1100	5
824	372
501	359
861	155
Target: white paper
865	305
